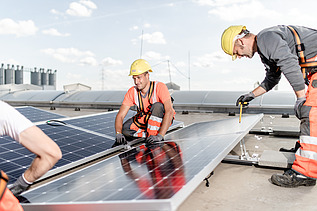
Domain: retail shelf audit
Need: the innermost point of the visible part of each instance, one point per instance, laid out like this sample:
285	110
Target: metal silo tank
44	77
35	77
2	74
19	75
52	78
9	75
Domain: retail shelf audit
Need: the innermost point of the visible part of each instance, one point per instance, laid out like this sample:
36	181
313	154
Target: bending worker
291	50
154	108
47	152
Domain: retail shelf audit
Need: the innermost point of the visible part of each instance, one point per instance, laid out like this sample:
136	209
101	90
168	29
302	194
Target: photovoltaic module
147	177
81	139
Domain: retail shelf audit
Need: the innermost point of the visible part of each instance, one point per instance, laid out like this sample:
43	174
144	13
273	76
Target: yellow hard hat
139	66
227	39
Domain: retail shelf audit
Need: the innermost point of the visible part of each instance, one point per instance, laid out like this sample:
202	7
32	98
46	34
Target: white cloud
151	55
71	55
19	28
208	60
55	12
217	3
253	9
110	62
133	28
54	32
82	8
91	61
88	4
154	38
134	41
147	25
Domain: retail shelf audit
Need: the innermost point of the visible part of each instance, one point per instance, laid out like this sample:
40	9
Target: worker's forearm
39	167
118	124
258	91
166	122
46	150
300	93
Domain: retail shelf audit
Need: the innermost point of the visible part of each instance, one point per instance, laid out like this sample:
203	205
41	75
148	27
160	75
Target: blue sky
82	39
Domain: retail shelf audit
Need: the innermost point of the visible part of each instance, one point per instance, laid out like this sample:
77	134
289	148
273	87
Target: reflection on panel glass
164	165
143	173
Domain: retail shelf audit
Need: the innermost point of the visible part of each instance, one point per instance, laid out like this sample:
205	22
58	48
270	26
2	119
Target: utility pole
141	45
189	70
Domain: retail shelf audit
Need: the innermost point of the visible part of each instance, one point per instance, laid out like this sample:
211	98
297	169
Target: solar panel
82	139
77	147
156	177
103	123
37	115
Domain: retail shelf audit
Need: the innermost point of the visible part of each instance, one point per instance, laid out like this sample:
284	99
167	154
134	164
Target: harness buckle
300	47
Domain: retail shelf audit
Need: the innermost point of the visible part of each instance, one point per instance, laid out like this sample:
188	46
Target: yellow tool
241	105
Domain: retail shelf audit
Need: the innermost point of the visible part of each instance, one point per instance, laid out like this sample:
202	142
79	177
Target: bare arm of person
120	116
46	150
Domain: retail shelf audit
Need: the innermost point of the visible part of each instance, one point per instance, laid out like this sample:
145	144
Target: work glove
19	186
153	139
298	105
245	99
120	139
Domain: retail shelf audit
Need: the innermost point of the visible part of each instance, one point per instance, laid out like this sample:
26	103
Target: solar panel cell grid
37	115
81	139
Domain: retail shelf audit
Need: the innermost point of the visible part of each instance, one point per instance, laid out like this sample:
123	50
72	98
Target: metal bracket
245	155
244	158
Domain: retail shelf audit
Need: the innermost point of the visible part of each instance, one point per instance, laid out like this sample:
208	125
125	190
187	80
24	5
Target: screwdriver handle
241	105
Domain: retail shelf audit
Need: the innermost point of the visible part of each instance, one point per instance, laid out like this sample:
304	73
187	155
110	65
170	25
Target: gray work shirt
276	47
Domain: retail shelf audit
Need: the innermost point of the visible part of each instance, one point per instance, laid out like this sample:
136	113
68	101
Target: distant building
76	87
173	86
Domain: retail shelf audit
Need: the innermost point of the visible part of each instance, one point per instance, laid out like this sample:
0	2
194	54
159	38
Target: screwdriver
241	105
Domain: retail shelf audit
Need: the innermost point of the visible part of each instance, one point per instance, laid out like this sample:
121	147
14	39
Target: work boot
291	179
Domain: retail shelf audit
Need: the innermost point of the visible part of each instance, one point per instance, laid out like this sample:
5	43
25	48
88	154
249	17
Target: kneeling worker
155	111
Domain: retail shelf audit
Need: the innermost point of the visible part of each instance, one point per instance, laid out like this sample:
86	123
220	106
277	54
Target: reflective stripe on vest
300	48
308	147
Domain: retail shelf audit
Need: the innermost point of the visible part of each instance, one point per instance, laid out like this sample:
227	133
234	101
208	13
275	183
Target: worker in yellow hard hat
291	50
154	108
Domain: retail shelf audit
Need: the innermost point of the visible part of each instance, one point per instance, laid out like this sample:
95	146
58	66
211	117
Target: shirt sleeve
129	98
275	49
162	92
12	122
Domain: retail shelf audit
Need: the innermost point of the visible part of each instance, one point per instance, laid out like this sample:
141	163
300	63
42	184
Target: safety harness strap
3	182
141	111
300	48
